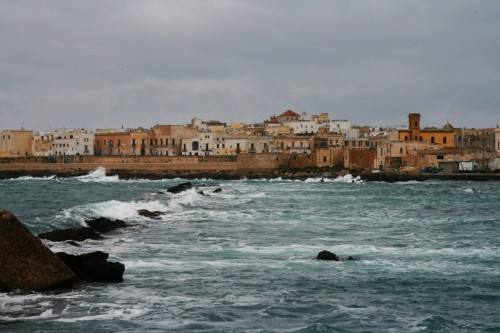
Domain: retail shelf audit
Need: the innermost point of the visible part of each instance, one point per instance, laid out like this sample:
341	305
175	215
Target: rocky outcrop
327	255
103	224
217	190
77	234
25	263
180	188
93	267
155	215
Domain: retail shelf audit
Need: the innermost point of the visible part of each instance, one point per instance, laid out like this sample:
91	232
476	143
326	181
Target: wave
53	177
340	179
98	176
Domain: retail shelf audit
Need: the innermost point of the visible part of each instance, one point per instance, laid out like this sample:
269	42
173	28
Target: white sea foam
468	190
98	175
340	179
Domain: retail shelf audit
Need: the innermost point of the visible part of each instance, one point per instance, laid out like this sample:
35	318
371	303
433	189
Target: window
406	137
445	140
119	143
195	145
111	143
173	142
401	150
432	139
440	157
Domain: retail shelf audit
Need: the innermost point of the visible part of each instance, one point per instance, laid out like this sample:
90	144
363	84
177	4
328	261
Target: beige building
168	139
16	143
42	144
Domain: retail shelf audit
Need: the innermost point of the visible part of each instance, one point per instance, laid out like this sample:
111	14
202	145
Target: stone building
16	143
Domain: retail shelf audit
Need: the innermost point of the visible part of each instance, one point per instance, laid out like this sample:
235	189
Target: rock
103	224
200	192
93	267
217	190
327	255
25	263
78	234
180	188
73	243
152	215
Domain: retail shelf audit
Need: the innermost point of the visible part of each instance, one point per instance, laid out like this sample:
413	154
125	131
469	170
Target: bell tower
414	126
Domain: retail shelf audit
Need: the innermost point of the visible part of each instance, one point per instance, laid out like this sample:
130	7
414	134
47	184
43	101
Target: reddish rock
25	263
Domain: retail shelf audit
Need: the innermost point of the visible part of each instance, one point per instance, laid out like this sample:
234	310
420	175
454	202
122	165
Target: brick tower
414	126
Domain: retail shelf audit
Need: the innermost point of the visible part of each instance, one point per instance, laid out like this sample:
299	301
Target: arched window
111	143
195	145
406	138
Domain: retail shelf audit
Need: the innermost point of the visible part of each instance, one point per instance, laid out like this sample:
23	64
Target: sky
107	64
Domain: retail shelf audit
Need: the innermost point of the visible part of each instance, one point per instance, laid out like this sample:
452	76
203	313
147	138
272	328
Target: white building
73	142
304	127
344	127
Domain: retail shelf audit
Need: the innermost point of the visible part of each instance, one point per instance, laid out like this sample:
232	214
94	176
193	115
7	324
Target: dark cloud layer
101	64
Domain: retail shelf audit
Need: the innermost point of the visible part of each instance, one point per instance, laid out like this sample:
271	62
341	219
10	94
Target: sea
426	255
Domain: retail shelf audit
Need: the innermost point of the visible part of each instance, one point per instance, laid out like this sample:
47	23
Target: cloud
137	63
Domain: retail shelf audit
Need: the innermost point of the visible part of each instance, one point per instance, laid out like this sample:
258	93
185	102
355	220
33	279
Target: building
444	137
168	139
291	144
16	143
112	142
303	127
72	142
42	144
497	139
289	116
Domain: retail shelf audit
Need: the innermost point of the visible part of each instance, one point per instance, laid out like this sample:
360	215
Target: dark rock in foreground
78	234
103	224
327	255
217	190
152	215
25	263
93	267
180	188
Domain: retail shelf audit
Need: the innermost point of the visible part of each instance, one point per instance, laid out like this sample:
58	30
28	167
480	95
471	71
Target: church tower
414	126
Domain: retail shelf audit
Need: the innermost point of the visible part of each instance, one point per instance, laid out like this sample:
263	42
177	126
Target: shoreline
234	174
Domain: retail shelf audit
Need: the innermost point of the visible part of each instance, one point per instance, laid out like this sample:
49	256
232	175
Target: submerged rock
152	215
25	263
180	188
103	224
217	190
77	234
93	267
327	255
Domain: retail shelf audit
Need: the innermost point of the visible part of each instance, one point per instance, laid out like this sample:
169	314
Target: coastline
149	171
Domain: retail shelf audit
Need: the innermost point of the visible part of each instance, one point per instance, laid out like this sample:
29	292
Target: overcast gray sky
100	64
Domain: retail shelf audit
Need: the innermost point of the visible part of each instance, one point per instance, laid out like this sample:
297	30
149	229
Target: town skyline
94	65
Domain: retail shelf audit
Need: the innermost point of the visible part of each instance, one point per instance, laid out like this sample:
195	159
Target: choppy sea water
243	260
